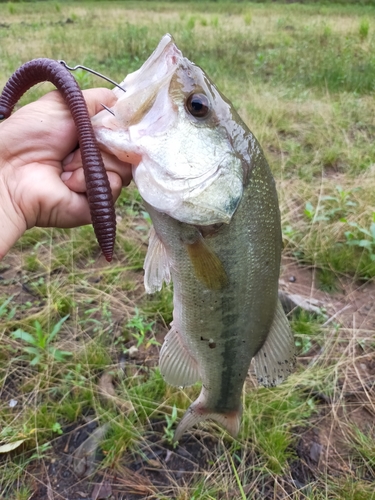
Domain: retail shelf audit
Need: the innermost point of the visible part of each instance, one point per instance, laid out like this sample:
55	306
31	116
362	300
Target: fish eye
198	105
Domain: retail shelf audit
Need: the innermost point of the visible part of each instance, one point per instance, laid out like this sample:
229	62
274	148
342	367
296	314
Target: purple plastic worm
99	193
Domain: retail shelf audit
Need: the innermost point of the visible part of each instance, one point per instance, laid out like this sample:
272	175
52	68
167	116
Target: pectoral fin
156	264
177	364
208	267
276	358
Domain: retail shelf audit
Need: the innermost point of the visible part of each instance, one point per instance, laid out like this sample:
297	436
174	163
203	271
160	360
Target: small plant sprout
39	344
312	213
6	312
139	328
168	430
56	427
364	27
362	237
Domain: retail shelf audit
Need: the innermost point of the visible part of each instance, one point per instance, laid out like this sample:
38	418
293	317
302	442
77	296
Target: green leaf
35	360
59	355
42	339
57	328
22	335
365	244
4	305
33	350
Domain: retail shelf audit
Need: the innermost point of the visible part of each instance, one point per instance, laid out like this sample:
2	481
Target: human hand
41	180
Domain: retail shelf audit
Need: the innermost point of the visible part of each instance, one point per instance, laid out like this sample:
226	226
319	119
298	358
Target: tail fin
197	412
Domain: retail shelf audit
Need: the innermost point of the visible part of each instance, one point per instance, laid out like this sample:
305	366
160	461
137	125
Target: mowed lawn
79	338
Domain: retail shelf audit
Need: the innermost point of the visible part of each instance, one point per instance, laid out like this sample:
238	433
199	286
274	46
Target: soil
158	468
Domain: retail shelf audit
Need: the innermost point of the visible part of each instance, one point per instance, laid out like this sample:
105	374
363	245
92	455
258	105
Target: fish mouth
118	130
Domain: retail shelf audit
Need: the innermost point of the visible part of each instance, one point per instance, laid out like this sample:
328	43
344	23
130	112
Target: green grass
302	77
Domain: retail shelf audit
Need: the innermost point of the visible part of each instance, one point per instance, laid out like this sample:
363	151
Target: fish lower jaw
119	145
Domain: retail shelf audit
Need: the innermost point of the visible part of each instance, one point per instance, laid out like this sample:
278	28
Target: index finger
96	97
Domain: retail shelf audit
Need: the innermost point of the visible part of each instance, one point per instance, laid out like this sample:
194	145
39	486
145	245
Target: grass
302	77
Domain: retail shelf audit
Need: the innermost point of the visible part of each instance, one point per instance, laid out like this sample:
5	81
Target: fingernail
66	176
68	159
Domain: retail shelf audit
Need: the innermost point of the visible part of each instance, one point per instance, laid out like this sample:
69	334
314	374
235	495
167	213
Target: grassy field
80	339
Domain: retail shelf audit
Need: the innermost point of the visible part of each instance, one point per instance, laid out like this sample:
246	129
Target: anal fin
177	364
156	264
276	358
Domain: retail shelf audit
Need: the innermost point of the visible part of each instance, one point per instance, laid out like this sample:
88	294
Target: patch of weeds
363	450
362	237
23	493
267	419
146	393
12	9
122	435
337	206
64	304
84	79
39	287
74	17
7	312
95	355
39	344
200	492
84	243
134	252
215	21
169	428
32	262
130	201
351	488
46	420
34	236
73	400
327	281
311	213
138	327
247	18
307	329
190	23
160	303
331	207
97	319
364	27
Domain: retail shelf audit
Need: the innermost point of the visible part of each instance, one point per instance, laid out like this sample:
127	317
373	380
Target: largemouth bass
216	231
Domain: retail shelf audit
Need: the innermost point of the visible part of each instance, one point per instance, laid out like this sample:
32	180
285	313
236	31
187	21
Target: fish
216	233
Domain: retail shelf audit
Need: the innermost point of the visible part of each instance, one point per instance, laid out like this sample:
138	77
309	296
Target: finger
112	164
93	97
96	97
75	181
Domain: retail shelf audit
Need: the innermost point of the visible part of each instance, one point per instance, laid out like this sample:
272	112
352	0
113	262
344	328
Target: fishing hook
79	66
108	109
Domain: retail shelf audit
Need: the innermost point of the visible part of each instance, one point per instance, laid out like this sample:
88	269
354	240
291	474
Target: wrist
12	224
